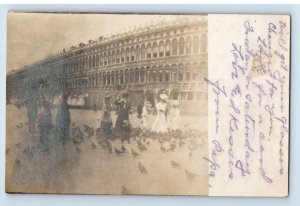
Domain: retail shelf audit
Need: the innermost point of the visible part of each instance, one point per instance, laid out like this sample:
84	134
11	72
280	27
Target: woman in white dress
174	118
160	123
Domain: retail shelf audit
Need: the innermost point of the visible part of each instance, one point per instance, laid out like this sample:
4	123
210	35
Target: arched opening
161	49
188	48
155	50
168	48
174	47
196	44
181	45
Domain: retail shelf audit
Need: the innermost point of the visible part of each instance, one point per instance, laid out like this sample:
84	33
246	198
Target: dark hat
107	97
125	95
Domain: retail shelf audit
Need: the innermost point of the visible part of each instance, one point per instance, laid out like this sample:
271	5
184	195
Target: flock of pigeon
191	139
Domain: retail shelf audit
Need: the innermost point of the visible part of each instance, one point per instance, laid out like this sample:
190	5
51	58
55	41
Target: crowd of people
165	111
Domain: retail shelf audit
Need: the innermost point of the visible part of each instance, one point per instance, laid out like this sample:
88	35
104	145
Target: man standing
63	120
122	122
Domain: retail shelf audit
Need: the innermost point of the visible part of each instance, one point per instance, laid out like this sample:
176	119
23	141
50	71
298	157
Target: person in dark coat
63	120
122	122
45	120
31	99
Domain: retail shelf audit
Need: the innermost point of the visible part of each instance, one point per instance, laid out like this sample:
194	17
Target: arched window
168	48
99	79
161	74
149	51
131	75
108	78
174	73
113	55
137	75
118	56
112	77
161	49
187	72
105	58
167	73
142	75
180	72
181	45
101	59
196	44
188	48
126	76
195	73
155	50
174	47
104	78
127	54
121	77
132	54
203	44
97	60
154	74
122	55
90	62
137	52
109	58
143	51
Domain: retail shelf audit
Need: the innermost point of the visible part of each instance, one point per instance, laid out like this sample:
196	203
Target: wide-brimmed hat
174	103
107	97
163	97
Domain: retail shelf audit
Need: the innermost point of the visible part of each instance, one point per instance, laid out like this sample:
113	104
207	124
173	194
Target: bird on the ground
134	153
141	146
109	147
93	145
181	143
142	168
125	191
118	152
123	149
175	164
18	145
78	150
190	175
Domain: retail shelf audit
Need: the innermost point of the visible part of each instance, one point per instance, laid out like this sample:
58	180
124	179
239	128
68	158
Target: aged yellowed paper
154	104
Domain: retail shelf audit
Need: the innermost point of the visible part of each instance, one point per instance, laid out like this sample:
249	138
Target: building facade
169	56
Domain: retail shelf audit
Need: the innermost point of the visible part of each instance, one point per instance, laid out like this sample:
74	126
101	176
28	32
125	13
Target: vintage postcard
148	104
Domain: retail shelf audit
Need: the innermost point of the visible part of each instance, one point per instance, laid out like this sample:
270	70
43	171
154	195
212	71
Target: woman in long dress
174	118
160	123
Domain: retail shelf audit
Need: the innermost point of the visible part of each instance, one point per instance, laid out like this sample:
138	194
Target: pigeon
181	143
123	149
18	162
134	153
141	146
125	191
93	145
175	164
109	147
190	175
142	168
78	150
118	152
18	145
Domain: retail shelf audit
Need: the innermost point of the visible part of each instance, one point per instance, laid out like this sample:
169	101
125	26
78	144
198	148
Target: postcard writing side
248	104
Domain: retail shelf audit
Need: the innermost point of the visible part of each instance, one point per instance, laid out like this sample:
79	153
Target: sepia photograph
107	104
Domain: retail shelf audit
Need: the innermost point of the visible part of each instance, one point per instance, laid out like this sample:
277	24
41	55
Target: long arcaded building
170	56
